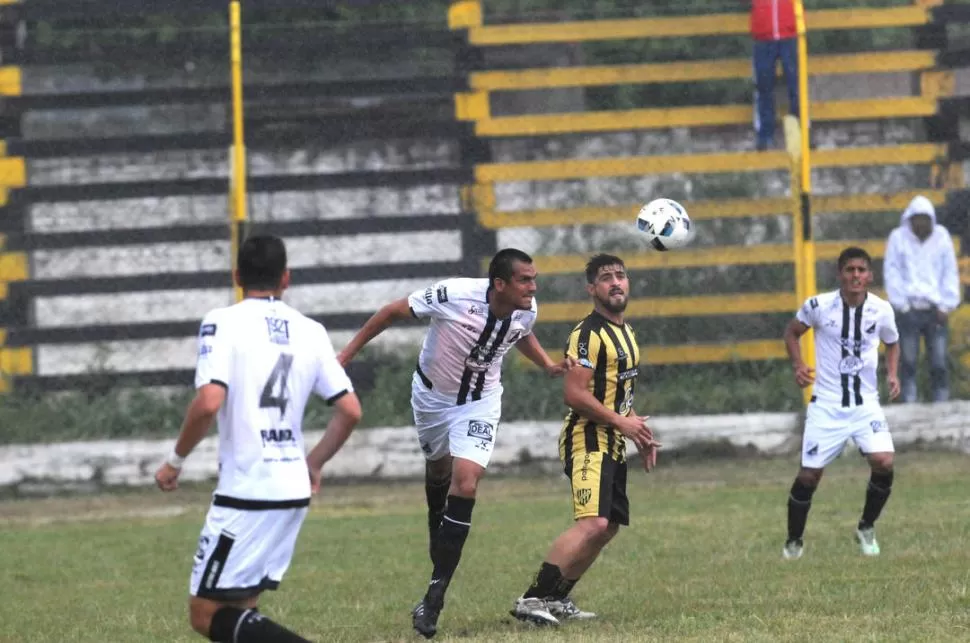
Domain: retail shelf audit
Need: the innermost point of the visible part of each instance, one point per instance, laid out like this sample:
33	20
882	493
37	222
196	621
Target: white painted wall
394	453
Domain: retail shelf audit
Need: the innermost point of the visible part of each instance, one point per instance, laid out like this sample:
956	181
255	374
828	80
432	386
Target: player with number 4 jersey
849	325
259	361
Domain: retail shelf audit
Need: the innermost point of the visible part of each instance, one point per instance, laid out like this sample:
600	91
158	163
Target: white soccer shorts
243	552
465	431
828	426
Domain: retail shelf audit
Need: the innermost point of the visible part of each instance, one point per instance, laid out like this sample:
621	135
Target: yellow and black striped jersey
611	351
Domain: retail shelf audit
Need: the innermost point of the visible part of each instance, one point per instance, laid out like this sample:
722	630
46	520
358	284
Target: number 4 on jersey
277	382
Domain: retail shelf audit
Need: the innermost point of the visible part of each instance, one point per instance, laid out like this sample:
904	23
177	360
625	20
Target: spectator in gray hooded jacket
923	284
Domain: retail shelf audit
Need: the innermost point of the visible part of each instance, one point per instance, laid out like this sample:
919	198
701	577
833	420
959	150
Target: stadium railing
933	104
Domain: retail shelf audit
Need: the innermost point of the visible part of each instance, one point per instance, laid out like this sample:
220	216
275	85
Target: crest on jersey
583	496
279	330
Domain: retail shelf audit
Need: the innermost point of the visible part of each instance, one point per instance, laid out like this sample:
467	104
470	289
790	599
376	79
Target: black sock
799	502
233	625
447	545
877	493
436	492
563	588
544	584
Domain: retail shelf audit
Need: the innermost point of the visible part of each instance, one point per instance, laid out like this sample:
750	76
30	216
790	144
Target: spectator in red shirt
775	37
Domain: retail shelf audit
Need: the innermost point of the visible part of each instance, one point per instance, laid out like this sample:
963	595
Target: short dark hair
853	252
261	262
599	261
502	265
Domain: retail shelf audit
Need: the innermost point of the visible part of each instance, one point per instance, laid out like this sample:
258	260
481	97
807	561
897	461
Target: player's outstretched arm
346	415
793	332
198	418
532	349
380	321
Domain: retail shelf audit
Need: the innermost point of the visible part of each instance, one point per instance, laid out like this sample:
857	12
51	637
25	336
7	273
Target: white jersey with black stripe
270	358
461	357
847	346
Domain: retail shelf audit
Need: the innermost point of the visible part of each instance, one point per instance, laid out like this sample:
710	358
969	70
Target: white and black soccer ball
666	224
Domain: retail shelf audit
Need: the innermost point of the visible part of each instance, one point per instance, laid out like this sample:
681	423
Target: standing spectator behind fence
775	37
923	284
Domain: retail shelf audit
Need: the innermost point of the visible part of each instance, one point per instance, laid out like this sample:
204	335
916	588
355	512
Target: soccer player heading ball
456	395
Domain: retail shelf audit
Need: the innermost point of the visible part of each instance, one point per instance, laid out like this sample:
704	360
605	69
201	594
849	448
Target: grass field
701	561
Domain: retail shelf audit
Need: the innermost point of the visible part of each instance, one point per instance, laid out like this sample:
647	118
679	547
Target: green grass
701	561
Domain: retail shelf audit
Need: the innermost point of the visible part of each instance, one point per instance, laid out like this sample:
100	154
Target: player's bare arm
892	370
530	347
346	415
396	311
577	396
804	375
198	418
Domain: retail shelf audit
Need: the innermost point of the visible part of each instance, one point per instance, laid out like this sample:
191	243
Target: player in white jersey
849	324
456	394
258	363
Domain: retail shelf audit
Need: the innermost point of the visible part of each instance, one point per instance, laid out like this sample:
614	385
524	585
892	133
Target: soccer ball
666	223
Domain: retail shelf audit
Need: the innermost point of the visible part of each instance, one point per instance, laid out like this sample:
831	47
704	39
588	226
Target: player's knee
200	615
881	463
465	486
810	477
437	470
596	528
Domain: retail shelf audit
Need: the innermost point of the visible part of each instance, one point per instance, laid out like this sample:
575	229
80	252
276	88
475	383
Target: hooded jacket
921	274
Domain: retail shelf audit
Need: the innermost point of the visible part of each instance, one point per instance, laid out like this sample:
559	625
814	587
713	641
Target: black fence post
477	242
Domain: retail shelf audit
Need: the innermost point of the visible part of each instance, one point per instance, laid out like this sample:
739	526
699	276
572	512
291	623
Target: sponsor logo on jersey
879	425
429	296
475	310
277	436
205	349
871	328
207	330
585	362
477	361
481	430
442	294
279	330
514	335
851	365
628	374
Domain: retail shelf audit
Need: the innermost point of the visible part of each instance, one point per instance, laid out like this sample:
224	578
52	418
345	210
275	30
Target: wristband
174	460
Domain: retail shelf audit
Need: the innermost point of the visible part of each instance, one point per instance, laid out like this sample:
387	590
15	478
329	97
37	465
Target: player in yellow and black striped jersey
600	392
610	350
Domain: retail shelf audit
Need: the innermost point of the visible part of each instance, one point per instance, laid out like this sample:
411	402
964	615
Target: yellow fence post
805	183
237	197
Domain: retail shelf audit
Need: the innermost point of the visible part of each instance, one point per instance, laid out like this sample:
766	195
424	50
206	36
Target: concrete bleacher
930	105
912	135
